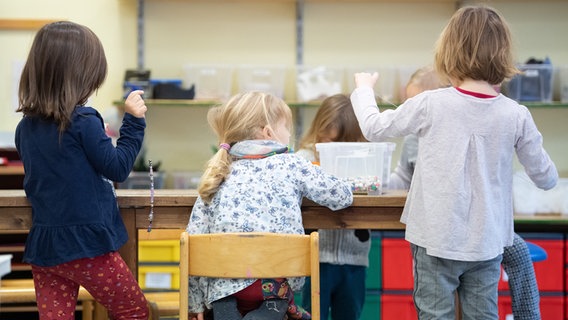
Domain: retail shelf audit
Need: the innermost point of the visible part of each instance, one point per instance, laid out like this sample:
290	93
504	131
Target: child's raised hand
365	79
135	105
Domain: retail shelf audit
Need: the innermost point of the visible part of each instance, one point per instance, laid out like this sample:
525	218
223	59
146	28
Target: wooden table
173	207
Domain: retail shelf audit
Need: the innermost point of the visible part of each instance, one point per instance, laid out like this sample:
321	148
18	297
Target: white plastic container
5	264
318	83
366	164
530	200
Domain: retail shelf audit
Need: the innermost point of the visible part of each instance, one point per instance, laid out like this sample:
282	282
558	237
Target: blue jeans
436	281
342	288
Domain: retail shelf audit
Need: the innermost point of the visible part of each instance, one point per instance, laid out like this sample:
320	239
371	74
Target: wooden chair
249	255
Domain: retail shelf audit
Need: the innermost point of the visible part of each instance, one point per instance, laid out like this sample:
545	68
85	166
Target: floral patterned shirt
260	195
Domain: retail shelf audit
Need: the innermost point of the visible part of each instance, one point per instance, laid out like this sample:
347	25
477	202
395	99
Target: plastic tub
366	164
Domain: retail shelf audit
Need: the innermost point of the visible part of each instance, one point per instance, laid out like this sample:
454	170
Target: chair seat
537	252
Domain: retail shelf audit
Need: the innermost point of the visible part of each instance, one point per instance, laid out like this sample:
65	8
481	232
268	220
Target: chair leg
100	312
154	311
88	309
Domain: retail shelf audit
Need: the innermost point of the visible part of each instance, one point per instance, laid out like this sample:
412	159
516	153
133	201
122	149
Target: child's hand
365	79
135	105
196	316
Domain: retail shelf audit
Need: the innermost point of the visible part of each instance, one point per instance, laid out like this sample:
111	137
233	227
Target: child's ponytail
218	167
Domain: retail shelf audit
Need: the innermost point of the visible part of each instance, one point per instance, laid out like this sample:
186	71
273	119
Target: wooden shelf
295	104
21	267
9	248
23	24
11	170
208	103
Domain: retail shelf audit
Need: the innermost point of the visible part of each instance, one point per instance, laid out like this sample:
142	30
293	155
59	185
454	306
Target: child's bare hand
365	79
196	316
135	105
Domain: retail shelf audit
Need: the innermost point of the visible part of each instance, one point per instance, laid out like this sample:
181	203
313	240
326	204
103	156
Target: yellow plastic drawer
158	277
158	251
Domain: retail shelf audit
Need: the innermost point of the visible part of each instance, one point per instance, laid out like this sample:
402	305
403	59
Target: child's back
459	213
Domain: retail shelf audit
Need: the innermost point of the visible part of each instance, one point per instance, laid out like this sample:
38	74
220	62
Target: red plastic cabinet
397	263
398	306
550	273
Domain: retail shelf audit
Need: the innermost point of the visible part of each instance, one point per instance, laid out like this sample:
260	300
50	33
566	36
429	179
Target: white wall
368	33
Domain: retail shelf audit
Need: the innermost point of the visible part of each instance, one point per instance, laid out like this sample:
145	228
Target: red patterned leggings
107	278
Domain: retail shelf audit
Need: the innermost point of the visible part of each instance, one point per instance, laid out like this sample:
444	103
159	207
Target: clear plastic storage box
186	179
141	180
318	83
366	164
211	82
534	84
262	78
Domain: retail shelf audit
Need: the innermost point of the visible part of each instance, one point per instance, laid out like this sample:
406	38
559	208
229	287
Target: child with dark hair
70	166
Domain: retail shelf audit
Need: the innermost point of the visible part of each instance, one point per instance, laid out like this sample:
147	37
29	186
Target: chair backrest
249	255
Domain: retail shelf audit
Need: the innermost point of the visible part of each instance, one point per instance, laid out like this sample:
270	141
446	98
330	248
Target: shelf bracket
299	32
298	116
140	35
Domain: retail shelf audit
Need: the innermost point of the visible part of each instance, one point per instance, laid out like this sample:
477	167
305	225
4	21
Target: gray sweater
459	205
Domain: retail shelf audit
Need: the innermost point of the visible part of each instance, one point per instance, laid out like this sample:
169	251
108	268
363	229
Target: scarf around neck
257	149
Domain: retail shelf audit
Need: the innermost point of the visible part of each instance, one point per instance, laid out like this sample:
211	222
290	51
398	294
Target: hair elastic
225	146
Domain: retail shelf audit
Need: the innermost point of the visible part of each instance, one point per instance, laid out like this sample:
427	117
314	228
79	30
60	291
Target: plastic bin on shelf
158	251
533	85
186	179
318	83
212	82
366	164
141	180
563	78
164	277
262	78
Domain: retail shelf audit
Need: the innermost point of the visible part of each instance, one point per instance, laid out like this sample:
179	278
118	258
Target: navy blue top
68	181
